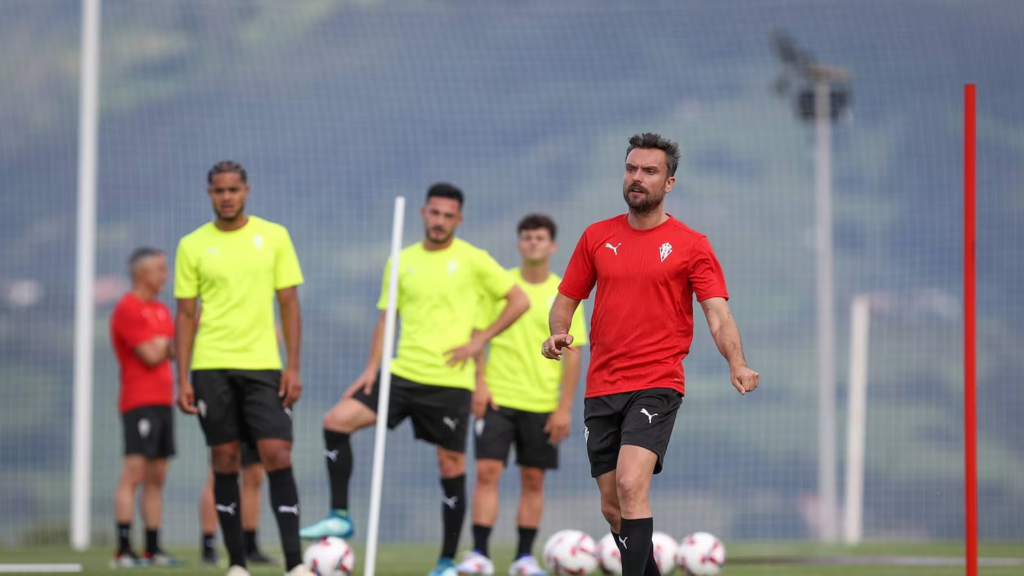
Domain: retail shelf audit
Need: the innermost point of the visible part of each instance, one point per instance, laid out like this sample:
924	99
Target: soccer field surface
745	559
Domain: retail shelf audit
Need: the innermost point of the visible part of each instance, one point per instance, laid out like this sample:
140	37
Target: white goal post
856	419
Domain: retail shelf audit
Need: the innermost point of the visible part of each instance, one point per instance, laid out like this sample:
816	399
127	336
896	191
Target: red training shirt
134	322
642	323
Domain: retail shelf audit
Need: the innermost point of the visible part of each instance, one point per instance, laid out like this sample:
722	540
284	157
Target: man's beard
435	240
238	213
643	206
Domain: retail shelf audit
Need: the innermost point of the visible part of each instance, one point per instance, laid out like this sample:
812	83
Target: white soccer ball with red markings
570	553
609	555
665	548
701	554
330	557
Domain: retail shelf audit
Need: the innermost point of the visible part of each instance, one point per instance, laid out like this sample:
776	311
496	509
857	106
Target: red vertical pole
970	360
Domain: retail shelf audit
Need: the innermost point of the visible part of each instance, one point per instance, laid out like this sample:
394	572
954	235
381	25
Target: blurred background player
522	399
237	265
648	266
441	281
141	334
252	483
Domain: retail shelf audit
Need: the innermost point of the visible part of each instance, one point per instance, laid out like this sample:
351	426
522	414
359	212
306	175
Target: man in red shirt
141	332
648	266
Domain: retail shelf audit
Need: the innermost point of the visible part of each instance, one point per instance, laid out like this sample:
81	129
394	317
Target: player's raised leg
344	419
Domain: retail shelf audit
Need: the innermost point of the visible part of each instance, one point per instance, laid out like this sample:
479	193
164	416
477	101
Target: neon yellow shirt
236	275
516	374
438	297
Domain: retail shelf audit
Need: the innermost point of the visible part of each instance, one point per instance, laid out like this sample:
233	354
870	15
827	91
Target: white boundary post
856	420
85	277
384	392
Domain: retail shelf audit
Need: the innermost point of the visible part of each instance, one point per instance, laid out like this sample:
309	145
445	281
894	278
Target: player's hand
187	397
558	425
364	383
744	379
482	399
457	357
553	347
291	387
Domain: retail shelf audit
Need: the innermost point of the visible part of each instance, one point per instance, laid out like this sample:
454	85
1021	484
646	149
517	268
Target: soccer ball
570	553
701	554
611	558
330	557
665	548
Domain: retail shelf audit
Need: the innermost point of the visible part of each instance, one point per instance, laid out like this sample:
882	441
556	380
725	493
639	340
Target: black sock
209	543
226	495
453	511
481	534
284	498
338	451
618	544
250	541
152	541
635	537
124	534
526	538
652	564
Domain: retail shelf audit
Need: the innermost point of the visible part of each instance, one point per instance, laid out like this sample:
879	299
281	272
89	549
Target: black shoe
210	558
257	557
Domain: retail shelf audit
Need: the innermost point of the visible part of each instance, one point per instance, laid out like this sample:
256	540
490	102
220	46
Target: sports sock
209	543
526	538
453	512
152	541
250	541
226	496
635	538
124	534
284	498
338	452
481	535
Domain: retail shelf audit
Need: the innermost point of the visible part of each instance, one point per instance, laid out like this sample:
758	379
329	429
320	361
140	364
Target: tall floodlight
820	95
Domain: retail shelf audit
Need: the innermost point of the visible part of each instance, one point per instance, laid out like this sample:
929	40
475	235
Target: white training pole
85	276
856	420
827	457
39	568
384	392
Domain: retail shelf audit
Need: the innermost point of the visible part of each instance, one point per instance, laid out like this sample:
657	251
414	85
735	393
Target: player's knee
533	480
345	418
252	476
488	472
276	458
631	488
452	464
611	512
225	459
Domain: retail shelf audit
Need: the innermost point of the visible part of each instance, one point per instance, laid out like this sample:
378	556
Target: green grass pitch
744	559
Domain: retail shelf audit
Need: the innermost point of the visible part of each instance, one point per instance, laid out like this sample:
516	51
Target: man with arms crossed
648	267
237	265
522	399
141	332
441	282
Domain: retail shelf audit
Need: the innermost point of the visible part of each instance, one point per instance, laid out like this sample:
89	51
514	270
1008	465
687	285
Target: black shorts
642	418
250	455
149	431
440	414
500	428
241	405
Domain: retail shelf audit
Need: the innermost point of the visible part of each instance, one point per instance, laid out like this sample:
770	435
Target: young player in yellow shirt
522	399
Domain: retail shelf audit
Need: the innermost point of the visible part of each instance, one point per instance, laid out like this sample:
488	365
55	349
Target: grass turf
743	559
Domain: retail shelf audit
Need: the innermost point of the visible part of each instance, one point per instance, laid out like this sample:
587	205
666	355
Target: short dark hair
536	222
140	254
446	190
227	167
650	141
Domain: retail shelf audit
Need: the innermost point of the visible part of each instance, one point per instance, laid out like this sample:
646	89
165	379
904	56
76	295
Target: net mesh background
336	108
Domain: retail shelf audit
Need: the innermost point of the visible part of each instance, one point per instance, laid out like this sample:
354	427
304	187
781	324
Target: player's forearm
517	303
727	338
570	379
291	326
376	345
560	317
480	360
184	334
